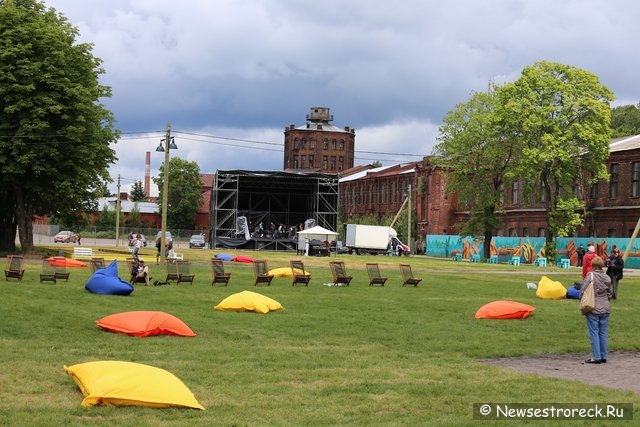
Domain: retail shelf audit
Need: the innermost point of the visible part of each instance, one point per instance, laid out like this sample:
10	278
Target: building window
310	160
341	145
613	183
340	163
514	192
296	144
594	190
333	144
295	162
303	161
542	232
325	143
303	143
512	232
325	162
312	144
635	179
525	232
611	232
333	163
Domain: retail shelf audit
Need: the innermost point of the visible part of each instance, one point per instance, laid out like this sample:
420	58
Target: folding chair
339	273
262	273
184	272
218	273
299	273
407	276
97	264
48	273
172	270
374	275
61	269
15	267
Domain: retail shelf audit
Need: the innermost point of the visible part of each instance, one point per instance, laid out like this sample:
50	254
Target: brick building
319	146
612	207
382	191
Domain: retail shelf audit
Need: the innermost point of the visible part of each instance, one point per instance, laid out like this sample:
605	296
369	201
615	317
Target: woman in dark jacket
598	319
615	265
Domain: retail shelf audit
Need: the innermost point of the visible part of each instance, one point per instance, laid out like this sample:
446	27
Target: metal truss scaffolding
271	199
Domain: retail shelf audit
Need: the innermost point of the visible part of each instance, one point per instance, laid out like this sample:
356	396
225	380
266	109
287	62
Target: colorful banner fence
527	249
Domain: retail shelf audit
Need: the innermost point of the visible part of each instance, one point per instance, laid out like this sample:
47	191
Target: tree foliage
479	159
185	193
137	192
55	134
559	116
625	120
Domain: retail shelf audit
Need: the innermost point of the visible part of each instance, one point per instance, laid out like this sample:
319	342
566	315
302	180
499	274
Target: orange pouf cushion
145	324
504	310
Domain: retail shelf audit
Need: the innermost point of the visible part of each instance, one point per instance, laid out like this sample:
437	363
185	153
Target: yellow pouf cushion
130	384
286	272
550	289
249	301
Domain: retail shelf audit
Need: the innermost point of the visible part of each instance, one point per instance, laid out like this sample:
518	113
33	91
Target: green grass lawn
336	356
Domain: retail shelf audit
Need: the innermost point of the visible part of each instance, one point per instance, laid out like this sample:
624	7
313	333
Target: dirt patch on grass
622	370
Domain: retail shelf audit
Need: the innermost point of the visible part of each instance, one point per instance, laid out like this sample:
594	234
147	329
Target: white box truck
371	239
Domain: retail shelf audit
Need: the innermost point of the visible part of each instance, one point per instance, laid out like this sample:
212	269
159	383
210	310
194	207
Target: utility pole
409	220
165	195
118	214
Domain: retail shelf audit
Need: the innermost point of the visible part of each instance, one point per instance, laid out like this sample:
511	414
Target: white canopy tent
314	233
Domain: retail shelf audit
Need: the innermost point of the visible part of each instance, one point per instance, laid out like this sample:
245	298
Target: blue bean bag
105	281
224	257
573	292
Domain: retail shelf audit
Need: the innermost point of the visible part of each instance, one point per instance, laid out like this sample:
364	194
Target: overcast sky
224	71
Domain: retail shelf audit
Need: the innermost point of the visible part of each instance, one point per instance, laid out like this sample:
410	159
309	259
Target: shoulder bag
588	300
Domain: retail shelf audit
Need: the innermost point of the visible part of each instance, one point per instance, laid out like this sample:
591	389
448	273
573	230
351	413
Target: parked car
197	241
65	236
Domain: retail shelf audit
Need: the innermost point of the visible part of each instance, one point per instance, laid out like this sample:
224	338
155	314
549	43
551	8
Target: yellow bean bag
550	289
285	272
130	384
249	301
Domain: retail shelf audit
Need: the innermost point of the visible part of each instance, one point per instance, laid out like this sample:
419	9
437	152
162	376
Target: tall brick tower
319	146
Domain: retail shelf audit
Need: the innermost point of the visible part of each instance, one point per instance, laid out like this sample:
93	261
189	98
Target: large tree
137	192
560	117
625	120
478	159
55	134
185	193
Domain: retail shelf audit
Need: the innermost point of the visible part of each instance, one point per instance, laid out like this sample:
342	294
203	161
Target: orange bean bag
504	310
145	324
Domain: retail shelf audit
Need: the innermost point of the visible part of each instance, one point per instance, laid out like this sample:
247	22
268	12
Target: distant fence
528	248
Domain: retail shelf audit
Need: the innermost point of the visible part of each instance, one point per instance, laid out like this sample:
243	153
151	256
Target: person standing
137	244
586	262
580	253
79	239
615	265
598	319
